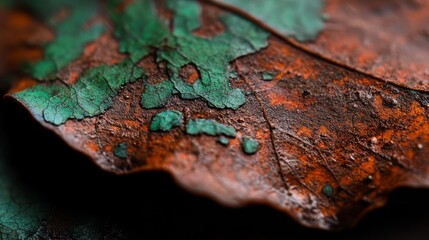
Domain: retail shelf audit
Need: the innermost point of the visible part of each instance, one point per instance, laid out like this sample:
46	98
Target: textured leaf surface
261	121
91	94
386	39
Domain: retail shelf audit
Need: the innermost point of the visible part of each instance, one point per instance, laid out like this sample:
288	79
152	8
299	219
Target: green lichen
211	56
249	145
301	19
89	96
165	121
139	28
209	127
121	150
71	34
223	140
181	47
328	190
156	96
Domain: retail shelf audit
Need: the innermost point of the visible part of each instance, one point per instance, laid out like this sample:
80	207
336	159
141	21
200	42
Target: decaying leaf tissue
315	108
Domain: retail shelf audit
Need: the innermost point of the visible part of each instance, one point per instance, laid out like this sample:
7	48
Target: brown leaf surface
334	142
388	39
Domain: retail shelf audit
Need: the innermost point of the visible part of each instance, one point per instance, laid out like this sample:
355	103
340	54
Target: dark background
151	206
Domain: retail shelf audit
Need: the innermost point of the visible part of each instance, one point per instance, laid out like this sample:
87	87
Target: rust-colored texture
325	143
386	39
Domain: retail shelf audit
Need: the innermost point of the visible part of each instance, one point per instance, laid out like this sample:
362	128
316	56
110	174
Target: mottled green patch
180	47
223	140
328	190
156	96
121	150
211	56
139	29
91	94
71	33
209	127
249	145
301	19
165	121
266	76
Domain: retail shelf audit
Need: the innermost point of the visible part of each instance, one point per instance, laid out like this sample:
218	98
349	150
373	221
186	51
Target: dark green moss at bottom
249	145
121	150
328	190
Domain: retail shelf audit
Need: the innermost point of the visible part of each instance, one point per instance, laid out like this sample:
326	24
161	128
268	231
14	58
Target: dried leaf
260	120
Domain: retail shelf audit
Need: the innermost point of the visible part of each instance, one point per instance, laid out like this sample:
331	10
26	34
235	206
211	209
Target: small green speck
266	76
249	145
233	74
121	150
223	140
328	190
325	17
165	121
209	127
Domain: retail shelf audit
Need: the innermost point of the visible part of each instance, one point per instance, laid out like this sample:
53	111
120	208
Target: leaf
385	39
245	116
